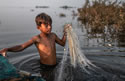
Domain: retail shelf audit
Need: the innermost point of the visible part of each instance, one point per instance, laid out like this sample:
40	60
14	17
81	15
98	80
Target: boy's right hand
3	52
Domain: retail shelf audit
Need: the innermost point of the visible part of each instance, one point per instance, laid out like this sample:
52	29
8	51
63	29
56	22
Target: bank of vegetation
99	14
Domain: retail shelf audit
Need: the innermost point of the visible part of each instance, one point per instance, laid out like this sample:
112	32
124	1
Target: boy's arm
16	48
61	41
20	47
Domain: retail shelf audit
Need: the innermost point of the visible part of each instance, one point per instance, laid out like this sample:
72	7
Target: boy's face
45	28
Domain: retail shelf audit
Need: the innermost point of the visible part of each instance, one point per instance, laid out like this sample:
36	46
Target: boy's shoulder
35	38
53	34
38	36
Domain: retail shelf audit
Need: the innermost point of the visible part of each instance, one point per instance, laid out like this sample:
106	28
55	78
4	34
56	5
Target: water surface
17	25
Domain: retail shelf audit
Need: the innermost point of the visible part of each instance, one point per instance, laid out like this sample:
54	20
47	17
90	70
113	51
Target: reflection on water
121	38
105	36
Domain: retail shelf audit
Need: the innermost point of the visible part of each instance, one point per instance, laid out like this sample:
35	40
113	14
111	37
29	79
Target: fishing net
75	66
73	56
7	70
9	73
76	55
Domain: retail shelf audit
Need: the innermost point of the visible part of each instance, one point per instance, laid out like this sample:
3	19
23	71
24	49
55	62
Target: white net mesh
76	55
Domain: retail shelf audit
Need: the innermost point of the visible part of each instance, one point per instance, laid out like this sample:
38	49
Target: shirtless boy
44	42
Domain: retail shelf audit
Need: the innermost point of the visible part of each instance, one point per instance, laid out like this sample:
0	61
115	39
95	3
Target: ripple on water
113	67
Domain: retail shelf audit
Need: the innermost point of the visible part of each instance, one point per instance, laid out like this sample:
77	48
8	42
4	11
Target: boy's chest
46	46
46	43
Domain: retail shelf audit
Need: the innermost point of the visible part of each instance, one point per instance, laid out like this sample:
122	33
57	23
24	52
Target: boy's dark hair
43	18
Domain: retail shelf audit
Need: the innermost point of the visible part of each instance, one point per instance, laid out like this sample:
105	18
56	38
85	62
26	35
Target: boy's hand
66	27
3	52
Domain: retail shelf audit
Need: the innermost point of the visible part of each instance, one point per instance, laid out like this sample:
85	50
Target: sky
26	3
32	3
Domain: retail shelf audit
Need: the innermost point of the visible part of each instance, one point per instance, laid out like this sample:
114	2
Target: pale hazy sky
39	2
27	3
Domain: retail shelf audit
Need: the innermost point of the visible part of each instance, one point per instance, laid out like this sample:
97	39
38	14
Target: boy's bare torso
46	48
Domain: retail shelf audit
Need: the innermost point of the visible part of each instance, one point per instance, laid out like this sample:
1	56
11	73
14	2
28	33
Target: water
17	26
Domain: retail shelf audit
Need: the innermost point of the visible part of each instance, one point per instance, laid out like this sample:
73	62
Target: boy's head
44	22
43	18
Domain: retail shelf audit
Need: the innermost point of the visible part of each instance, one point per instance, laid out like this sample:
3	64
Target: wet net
76	55
9	73
7	70
75	66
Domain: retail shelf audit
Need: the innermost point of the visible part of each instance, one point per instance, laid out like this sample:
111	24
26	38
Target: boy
44	42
